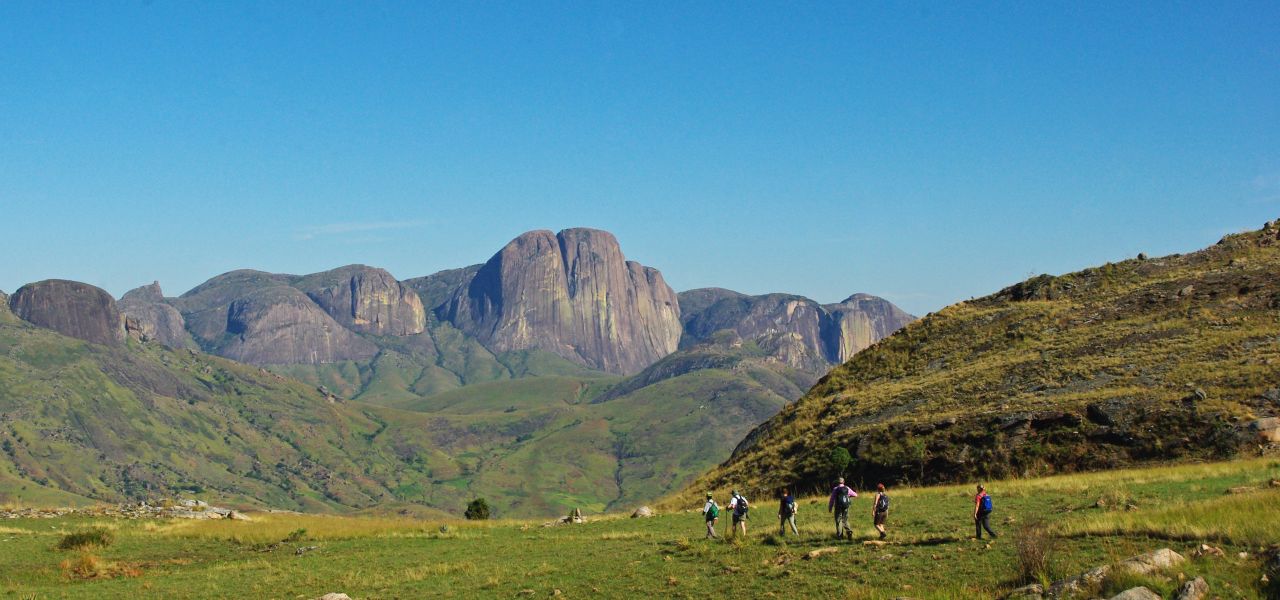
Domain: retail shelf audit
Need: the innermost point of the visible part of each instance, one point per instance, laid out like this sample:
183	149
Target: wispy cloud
349	227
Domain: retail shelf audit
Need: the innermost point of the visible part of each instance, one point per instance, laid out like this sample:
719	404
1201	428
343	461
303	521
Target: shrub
839	459
1035	548
477	510
93	538
296	535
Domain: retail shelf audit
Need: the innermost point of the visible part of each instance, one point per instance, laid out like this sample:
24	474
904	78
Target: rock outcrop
858	322
74	309
281	325
793	328
438	288
573	294
367	300
149	317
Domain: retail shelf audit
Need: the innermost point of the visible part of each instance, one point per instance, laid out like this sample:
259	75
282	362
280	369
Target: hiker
880	509
787	513
711	512
841	497
982	513
738	507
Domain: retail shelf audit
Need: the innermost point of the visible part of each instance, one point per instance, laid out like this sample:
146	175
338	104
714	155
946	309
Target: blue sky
919	152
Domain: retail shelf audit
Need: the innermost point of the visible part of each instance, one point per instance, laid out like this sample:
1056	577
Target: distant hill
1174	358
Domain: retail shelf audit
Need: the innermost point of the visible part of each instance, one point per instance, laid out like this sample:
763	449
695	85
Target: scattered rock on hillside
812	554
1143	564
1242	489
74	309
1034	591
1267	430
1207	550
334	596
643	511
1138	593
1196	589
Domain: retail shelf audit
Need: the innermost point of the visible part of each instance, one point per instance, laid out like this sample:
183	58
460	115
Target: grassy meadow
930	553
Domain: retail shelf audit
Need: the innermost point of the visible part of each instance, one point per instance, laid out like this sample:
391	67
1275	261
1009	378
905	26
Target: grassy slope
82	421
929	555
1090	370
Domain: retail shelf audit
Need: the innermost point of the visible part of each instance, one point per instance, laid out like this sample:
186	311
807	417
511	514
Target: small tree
840	459
477	510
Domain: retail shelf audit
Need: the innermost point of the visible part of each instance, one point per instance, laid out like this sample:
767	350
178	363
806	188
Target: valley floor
930	553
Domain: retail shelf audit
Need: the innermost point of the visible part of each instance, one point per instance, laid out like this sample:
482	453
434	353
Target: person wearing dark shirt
787	513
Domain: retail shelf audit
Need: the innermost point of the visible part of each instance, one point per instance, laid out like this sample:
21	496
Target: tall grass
1250	518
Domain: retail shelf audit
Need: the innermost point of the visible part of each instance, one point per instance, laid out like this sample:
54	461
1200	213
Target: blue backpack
986	503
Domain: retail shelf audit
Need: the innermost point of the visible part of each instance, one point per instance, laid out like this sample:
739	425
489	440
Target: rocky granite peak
573	294
149	317
280	325
795	329
367	300
74	309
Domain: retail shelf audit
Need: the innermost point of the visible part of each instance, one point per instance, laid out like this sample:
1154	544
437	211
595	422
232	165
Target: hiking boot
883	535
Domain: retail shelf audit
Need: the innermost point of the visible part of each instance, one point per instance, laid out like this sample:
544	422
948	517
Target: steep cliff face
367	300
281	325
794	329
74	309
149	317
573	294
437	289
261	318
858	322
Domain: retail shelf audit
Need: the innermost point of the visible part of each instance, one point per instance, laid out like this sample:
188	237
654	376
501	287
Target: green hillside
1145	360
84	422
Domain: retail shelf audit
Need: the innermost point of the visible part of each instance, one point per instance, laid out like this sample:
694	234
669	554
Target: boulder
1138	593
74	309
643	511
1267	430
1196	589
1151	562
334	596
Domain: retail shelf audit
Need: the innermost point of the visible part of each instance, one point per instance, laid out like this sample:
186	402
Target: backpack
740	507
842	497
713	512
986	503
788	508
882	503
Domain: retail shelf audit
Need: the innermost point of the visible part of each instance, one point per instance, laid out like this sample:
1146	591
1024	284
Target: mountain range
555	374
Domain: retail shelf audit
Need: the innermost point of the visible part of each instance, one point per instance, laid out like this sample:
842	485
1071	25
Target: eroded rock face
573	294
281	325
149	317
367	300
858	322
805	334
74	309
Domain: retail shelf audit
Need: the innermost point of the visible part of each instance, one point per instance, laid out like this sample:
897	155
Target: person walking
880	510
711	512
738	508
787	513
982	506
841	498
